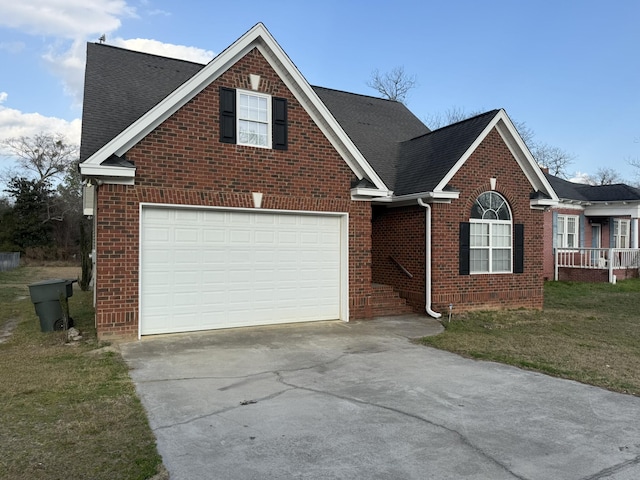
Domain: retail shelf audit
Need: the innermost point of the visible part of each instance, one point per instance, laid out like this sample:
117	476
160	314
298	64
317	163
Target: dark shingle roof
618	192
120	86
565	189
609	193
375	126
425	160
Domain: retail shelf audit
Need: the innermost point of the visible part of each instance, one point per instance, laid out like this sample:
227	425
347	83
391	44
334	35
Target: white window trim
565	234
617	222
491	247
239	118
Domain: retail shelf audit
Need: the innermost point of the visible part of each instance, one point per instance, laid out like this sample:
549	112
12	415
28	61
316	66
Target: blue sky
568	69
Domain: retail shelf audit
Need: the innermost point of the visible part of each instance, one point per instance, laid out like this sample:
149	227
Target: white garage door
207	269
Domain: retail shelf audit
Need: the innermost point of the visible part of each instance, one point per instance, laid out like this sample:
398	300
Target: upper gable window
253	119
254	114
490	234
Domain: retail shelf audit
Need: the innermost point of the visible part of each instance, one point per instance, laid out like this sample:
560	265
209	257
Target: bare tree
393	85
449	116
635	163
43	157
604	176
554	158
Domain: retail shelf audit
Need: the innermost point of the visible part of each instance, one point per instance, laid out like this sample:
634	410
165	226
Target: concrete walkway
333	400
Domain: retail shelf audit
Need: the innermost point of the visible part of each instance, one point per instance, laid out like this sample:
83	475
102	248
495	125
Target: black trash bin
46	297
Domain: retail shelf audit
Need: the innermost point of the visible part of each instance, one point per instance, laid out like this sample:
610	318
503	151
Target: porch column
634	233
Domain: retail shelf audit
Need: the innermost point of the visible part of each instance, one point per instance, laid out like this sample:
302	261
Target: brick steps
385	301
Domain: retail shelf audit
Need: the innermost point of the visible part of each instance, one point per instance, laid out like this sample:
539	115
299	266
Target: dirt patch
7	329
66	272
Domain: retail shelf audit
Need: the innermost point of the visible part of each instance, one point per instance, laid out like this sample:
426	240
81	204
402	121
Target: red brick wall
466	292
398	233
593	275
183	162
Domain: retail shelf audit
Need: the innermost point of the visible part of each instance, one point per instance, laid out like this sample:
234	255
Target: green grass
586	332
66	413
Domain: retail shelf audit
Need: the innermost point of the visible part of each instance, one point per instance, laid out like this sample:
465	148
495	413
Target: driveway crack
223	410
462	438
607	472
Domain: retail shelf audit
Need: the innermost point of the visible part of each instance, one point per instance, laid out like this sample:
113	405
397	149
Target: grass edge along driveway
588	332
69	410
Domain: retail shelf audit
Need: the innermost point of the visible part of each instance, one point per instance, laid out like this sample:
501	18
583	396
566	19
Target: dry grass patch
65	413
586	332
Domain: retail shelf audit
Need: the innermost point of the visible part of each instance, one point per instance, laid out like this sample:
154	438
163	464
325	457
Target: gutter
427	261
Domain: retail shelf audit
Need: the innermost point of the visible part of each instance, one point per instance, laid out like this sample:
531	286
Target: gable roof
257	37
392	153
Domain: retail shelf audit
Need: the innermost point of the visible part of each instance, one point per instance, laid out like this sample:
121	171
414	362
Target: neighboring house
588	221
234	194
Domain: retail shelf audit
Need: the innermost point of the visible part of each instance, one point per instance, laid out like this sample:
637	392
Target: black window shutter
279	113
465	233
227	115
518	248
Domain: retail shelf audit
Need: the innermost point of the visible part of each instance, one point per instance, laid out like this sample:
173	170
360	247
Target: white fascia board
174	101
429	197
543	202
89	170
613	210
320	114
523	156
258	37
563	204
367	193
516	146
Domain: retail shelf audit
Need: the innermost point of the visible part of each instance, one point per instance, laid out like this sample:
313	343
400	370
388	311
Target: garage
203	269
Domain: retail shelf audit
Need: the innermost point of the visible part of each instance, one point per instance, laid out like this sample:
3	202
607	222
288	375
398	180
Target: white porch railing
597	258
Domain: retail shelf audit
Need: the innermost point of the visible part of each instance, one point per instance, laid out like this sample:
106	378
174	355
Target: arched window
490	249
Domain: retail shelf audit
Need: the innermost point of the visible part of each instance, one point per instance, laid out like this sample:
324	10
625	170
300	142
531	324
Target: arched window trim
491	239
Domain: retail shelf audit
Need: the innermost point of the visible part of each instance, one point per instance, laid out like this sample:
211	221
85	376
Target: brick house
585	225
234	194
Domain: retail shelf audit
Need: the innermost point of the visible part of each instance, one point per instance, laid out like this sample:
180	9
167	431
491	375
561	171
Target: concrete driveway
335	400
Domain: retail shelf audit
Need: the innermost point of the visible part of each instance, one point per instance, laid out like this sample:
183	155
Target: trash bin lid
48	282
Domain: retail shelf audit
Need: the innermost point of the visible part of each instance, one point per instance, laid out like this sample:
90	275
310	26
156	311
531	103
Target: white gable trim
258	37
518	149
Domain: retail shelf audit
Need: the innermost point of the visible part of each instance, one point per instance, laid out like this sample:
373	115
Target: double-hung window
254	114
490	231
620	233
567	231
253	119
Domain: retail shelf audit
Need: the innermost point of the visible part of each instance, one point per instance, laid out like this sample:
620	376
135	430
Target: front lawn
66	412
586	332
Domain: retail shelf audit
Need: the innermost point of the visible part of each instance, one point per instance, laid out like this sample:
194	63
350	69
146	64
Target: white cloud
581	177
70	19
66	26
183	52
14	123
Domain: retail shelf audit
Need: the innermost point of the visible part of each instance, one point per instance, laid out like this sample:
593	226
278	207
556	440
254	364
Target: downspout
427	261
